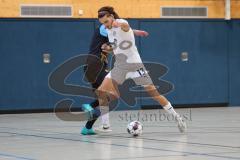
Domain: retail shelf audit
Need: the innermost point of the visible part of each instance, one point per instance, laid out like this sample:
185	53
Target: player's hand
106	48
141	33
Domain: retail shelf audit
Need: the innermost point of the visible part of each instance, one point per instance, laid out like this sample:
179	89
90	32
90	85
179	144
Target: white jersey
124	43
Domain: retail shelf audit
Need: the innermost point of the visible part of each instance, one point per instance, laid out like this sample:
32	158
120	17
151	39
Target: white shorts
137	72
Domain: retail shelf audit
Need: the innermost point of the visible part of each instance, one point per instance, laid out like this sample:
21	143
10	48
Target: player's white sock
181	124
170	110
105	115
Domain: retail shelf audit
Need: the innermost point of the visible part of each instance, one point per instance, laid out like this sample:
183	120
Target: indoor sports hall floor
213	133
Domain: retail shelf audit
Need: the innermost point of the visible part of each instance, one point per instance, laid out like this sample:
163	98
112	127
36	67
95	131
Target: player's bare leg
108	91
152	91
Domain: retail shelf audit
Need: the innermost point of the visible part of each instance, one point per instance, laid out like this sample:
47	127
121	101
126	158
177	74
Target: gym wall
125	8
211	76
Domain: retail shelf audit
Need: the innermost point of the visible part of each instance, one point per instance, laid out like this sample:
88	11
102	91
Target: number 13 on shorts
142	72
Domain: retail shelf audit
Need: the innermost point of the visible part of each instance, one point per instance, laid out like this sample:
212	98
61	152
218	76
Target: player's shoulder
103	31
122	20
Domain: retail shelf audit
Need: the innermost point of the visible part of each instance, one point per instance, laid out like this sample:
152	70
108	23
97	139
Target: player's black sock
89	124
95	103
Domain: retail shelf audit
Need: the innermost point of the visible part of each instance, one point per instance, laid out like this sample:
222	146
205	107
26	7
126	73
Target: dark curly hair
107	10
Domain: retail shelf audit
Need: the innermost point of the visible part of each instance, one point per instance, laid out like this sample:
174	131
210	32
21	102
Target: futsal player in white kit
128	64
95	73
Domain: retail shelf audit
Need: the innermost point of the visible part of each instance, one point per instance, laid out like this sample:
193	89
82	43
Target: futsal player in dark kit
95	71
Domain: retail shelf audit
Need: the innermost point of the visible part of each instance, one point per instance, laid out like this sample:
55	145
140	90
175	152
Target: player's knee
100	92
151	89
113	96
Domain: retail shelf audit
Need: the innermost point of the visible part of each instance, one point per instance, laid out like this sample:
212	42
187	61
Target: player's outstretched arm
124	26
140	33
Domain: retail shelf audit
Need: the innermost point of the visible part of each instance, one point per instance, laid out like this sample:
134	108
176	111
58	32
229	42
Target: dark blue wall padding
201	79
234	63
